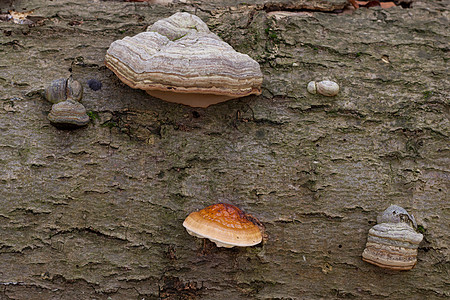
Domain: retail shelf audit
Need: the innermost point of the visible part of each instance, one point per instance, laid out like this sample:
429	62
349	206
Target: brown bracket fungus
396	214
68	114
224	224
179	60
392	244
61	89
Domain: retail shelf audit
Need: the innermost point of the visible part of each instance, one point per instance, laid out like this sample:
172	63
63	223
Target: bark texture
96	213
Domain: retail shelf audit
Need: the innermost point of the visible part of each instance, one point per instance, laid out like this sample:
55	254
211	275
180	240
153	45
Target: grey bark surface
96	213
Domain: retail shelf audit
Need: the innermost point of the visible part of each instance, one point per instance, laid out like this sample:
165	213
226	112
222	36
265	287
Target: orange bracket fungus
224	224
179	60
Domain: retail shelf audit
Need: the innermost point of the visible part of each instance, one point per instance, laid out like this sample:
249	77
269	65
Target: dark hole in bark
403	4
174	288
94	84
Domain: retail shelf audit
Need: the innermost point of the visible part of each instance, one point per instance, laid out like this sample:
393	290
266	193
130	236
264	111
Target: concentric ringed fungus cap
179	25
224	224
179	60
393	242
68	114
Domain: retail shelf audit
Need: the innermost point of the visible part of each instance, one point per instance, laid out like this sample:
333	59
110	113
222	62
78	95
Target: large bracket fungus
179	60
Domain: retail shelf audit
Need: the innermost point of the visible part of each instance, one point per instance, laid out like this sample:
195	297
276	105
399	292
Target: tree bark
96	213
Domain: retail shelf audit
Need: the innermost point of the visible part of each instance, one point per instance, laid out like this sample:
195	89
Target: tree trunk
97	212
